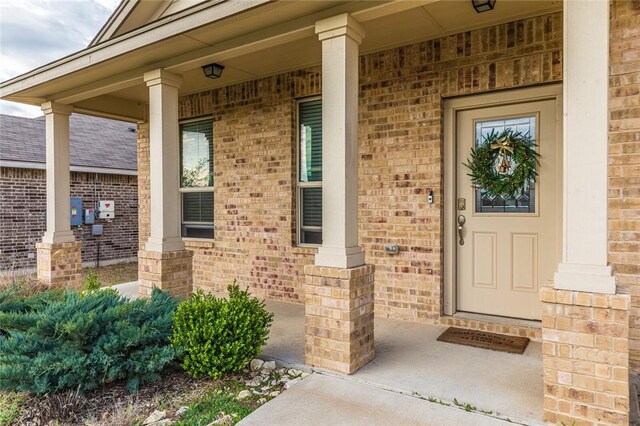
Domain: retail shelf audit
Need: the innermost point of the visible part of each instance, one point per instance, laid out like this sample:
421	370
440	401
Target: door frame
451	108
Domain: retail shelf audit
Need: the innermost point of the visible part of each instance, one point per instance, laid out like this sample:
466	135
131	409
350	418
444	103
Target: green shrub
91	282
65	340
24	295
220	335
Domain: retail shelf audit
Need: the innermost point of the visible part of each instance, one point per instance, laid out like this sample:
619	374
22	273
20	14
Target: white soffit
270	39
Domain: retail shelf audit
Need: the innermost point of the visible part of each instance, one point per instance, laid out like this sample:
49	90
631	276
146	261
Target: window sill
198	242
304	249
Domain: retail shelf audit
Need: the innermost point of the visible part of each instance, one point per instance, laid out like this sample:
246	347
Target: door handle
461	222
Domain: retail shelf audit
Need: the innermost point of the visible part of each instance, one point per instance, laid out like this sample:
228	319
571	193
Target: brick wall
401	147
401	160
624	159
23	215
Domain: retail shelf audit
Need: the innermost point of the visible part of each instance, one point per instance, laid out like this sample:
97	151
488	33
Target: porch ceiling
258	39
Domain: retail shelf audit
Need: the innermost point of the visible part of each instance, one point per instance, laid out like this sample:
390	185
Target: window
526	201
196	178
310	172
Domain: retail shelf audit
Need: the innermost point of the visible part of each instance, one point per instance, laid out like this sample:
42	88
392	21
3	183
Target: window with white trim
310	172
196	178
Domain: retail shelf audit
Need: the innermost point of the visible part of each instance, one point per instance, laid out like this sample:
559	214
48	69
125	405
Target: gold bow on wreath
505	150
514	172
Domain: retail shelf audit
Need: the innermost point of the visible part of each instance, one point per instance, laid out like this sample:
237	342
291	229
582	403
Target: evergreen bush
65	340
219	335
23	295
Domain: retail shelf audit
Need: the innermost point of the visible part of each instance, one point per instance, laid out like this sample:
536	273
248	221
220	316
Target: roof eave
153	32
115	20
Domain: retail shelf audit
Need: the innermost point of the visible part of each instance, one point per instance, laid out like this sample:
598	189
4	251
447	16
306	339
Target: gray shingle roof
95	142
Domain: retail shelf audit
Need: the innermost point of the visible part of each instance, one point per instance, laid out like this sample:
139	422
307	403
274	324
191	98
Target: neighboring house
103	166
325	167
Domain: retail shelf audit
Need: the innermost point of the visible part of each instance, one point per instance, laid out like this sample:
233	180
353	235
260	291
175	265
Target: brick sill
198	242
304	249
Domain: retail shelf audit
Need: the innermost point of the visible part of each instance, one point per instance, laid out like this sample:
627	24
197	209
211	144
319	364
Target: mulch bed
114	404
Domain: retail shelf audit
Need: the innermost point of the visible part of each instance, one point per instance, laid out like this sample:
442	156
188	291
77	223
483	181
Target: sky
36	32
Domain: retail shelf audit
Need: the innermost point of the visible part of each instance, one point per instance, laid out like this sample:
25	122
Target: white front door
507	247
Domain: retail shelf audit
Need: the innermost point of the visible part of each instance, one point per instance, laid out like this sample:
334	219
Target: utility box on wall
89	216
106	209
76	211
97	230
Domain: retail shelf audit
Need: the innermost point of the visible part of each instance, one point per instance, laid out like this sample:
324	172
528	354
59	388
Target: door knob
461	222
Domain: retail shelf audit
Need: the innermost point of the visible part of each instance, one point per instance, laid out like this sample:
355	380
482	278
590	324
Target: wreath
504	164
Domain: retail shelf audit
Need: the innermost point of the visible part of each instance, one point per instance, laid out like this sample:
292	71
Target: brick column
585	346
339	287
60	264
585	323
338	317
169	271
58	255
163	262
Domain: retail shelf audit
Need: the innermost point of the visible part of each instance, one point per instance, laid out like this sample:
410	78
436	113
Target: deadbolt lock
462	203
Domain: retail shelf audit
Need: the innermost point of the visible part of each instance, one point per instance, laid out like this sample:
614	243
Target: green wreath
504	164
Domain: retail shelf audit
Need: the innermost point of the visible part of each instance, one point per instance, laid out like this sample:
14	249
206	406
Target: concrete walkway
129	289
323	400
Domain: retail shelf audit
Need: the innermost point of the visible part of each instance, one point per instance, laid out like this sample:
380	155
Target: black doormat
485	340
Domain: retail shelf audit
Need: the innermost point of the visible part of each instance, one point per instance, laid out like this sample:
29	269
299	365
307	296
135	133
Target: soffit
414	21
417	24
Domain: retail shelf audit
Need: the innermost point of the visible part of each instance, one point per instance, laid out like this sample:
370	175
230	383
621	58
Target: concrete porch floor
410	360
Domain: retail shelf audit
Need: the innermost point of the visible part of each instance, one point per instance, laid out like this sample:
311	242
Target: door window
523	203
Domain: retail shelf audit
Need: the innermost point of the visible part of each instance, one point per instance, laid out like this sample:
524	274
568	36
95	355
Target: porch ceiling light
483	5
212	70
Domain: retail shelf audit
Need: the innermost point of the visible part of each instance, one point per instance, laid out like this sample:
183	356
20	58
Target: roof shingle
95	142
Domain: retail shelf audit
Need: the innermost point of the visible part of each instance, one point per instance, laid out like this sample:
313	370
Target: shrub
219	335
65	340
91	282
24	294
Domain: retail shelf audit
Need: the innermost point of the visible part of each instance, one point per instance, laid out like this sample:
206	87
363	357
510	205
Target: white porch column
584	265
340	36
58	174
164	158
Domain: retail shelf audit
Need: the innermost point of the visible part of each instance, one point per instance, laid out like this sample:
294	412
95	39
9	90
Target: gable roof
95	142
133	14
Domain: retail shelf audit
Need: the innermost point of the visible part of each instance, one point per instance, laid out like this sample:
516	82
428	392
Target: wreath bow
518	160
504	145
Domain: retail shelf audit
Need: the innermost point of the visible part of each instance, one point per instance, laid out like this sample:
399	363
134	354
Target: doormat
485	340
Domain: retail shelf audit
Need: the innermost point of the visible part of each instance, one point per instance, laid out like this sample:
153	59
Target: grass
114	274
107	275
10	407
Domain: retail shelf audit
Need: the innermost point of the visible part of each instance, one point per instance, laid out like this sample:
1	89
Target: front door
507	247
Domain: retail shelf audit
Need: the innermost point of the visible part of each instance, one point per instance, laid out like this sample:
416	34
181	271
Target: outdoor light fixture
212	70
483	5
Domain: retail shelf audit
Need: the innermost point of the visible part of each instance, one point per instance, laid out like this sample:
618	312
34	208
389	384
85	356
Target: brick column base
60	264
585	352
169	271
338	317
